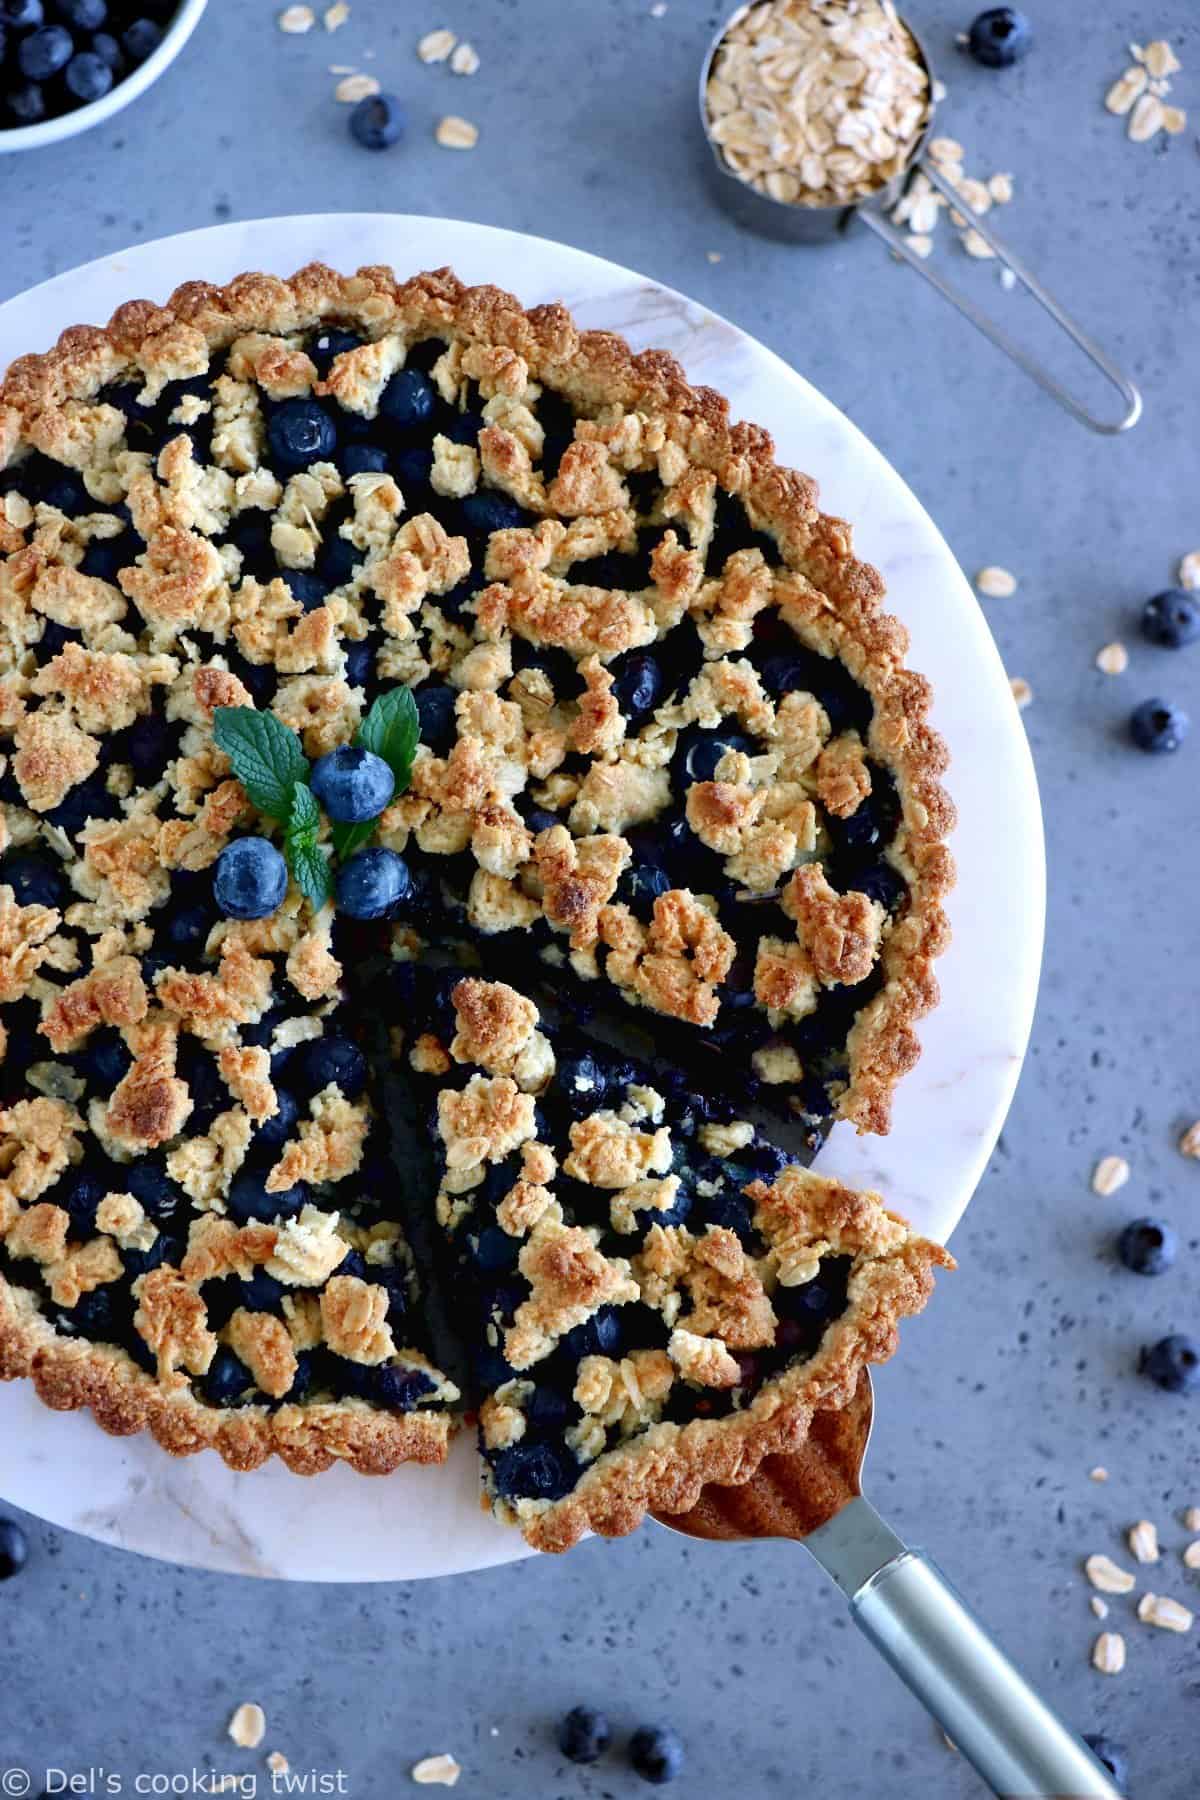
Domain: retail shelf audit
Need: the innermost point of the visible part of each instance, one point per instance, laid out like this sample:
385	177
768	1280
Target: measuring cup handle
898	243
911	1614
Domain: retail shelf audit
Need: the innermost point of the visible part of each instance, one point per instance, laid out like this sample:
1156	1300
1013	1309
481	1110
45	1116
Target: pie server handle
905	1606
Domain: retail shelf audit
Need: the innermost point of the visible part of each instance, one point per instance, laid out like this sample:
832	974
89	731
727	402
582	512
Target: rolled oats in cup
817	102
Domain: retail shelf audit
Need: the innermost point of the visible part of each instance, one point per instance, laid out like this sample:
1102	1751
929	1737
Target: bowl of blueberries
67	64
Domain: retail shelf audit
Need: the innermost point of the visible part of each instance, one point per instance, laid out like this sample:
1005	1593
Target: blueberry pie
361	641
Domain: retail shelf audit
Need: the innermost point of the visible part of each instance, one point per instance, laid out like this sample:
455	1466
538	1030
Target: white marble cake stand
950	1109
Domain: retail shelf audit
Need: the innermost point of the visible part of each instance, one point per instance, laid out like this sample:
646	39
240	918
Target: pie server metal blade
905	1607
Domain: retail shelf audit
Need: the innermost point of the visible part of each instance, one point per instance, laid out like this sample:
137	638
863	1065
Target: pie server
797	224
905	1606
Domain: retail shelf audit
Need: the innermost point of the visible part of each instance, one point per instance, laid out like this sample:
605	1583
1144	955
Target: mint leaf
392	729
267	758
349	838
308	863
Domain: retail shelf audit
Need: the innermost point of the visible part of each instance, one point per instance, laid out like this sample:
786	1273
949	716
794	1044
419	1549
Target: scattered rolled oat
436	46
1174	120
436	1771
659	9
1189	570
454	133
1125	90
1146	119
278	1763
248	1726
1139	93
1113	659
1142	1539
1191	1518
1000	187
335	16
1108	1653
1022	693
946	150
464	59
1191	1554
1160	59
297	19
1110	1173
919	244
1099	1473
1189	1143
353	88
1167	1614
1099	1606
975	244
995	583
1103	1573
832	93
1008	279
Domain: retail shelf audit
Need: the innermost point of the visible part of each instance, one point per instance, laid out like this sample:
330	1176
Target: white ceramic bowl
52	131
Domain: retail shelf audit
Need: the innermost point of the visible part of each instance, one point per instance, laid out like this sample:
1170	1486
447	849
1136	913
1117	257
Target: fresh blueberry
304	1377
534	1472
1173	1363
329	343
88	77
307	587
1000	37
257	678
322	1060
260	1292
249	1199
353	785
14	1549
700	751
66	492
209	1093
638	683
1172	619
82	15
80	1192
104	1059
187	929
227	1380
400	1388
250	533
276	1131
95	1316
656	1753
408	400
377	122
495	1252
729	1210
547	1410
149	743
582	1081
152	1187
363	459
1114	1756
882	883
413	463
106	47
360	663
584	1735
300	433
435	709
21	15
1158	727
641	885
338	560
141	39
486	511
464	427
43	53
598	1336
34	880
372	884
25	103
90	800
676	1214
1147	1246
251	879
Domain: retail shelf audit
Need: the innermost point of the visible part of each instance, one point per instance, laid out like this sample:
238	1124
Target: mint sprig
267	758
308	863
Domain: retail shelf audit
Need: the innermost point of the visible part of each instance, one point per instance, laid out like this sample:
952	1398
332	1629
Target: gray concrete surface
1022	1376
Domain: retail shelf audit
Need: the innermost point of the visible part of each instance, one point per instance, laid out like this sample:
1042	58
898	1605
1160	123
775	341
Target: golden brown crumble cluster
132	607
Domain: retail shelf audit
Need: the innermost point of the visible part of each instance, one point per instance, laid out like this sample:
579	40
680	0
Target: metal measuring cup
795	223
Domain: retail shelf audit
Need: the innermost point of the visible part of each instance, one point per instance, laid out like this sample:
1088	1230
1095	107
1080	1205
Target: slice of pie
674	783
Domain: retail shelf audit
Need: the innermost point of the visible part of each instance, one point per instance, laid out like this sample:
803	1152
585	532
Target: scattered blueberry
227	1379
656	1753
377	122
331	342
700	751
363	459
82	15
1172	619
88	77
14	1549
104	1059
338	559
486	511
1000	37
638	683
464	427
372	884
21	15
584	1735
249	1199
44	53
360	663
436	711
34	880
1147	1246
640	887
1173	1363
582	1081
598	1336
1158	727
260	1292
353	785
251	879
26	103
1114	1756
300	432
275	1132
141	39
534	1472
106	47
153	1188
325	1059
307	587
408	400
